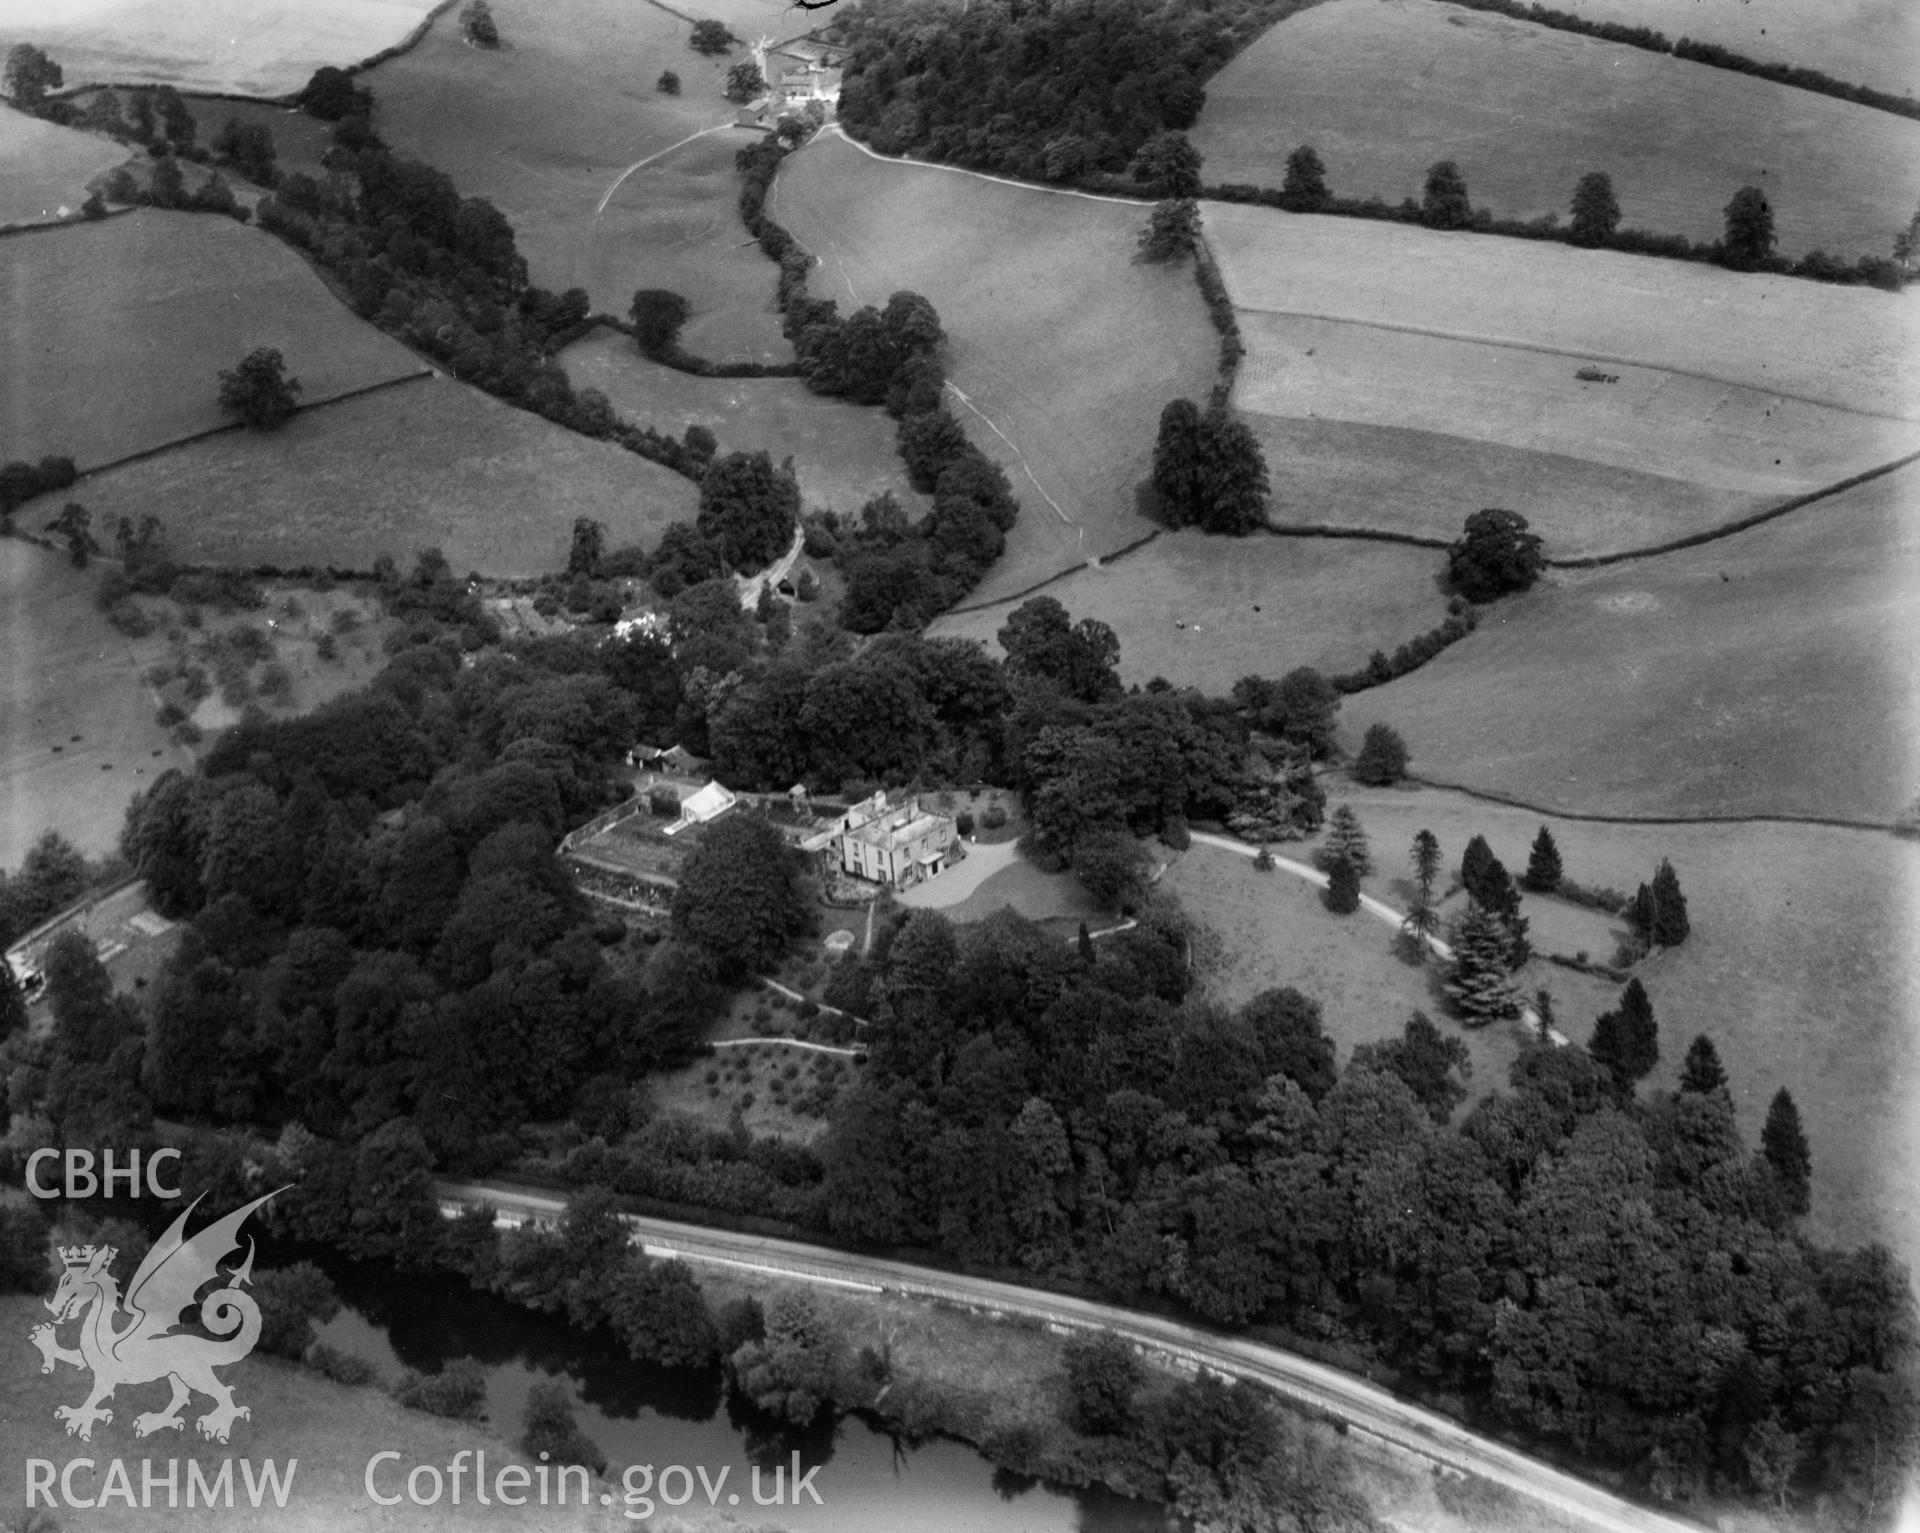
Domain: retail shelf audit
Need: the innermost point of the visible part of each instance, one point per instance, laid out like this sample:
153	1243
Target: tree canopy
259	390
1496	555
741	895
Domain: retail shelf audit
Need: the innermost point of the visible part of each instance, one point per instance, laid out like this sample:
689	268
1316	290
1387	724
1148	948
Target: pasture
232	47
79	737
1852	349
44	168
553	123
1383	88
1340	473
1064	347
1801	966
1250	606
430	463
842	453
1868	42
118	331
1766	673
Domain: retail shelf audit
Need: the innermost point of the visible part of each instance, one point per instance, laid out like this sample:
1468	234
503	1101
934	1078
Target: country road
1366	1407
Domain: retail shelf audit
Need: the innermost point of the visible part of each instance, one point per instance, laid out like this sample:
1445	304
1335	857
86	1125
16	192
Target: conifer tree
1346	841
1669	922
1784	1144
1640	915
1426	861
1626	1041
1479	984
1343	887
1543	1009
1305	188
1702	1071
1543	864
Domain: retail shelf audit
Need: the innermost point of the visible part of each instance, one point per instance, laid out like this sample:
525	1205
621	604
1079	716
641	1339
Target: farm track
658	154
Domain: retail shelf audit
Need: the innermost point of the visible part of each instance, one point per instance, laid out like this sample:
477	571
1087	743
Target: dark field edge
1513	801
1740	524
1712	55
1359	534
686	362
8	231
1072	569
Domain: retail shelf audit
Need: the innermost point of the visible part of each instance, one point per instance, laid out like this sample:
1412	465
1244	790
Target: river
642	1413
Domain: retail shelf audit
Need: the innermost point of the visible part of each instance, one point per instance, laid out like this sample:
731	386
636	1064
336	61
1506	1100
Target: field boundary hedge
1514	801
1362	534
686	362
1740	524
8	231
1097	562
1713	55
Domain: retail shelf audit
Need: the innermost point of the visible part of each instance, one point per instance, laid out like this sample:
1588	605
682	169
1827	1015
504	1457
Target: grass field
842	453
1070	348
1383	88
1871	42
330	1429
1344	474
238	47
1767	673
1319	603
545	128
44	169
1850	348
299	141
118	331
430	463
1801	965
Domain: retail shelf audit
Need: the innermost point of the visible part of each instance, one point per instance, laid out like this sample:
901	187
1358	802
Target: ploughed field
843	454
1204	612
1383	88
44	168
118	332
428	463
1769	672
547	126
1718	392
1063	349
234	47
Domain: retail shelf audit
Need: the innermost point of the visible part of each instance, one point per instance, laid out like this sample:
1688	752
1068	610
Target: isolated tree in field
1626	1040
1702	1071
1749	237
1596	211
1346	841
1496	554
711	38
1103	1374
1169	161
1305	188
1669	925
1479	983
1426	861
668	84
477	24
329	94
657	316
30	74
259	390
1343	887
1422	919
1383	757
1172	231
740	896
744	82
1783	1143
1444	205
1544	872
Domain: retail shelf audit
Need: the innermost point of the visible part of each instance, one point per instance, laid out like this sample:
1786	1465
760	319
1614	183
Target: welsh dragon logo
149	1346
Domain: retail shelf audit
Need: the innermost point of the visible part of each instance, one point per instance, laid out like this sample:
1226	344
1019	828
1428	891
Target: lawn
332	1430
234	47
1383	90
1767	673
79	737
431	463
299	141
44	169
1801	965
1872	42
1850	348
842	453
1342	473
547	126
1249	606
1064	347
1037	896
118	331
